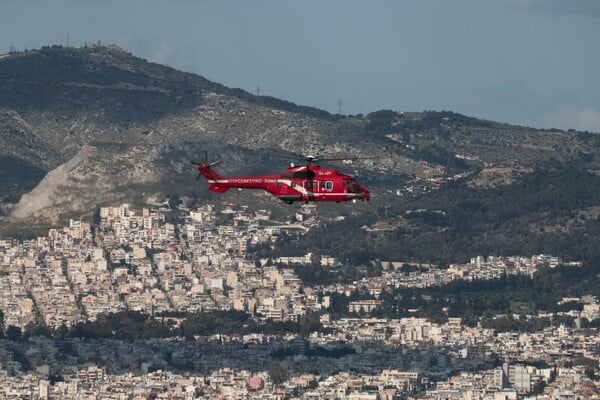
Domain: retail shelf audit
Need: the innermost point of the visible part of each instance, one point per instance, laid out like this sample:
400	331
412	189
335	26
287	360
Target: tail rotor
205	166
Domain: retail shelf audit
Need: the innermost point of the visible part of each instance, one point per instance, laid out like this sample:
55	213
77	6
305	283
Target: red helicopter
297	183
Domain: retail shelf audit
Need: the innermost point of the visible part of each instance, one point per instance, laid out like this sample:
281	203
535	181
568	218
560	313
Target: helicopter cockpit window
310	185
349	186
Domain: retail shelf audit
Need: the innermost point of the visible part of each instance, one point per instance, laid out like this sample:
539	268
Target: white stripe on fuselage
294	186
290	184
309	193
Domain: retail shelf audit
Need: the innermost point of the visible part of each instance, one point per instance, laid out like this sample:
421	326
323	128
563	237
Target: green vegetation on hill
132	325
484	300
553	210
129	325
511	295
17	177
160	90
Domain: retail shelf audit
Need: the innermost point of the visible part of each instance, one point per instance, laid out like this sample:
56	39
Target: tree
539	387
174	201
61	332
13	333
278	373
33	329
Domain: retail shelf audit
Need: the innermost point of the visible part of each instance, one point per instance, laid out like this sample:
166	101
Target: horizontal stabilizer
218	189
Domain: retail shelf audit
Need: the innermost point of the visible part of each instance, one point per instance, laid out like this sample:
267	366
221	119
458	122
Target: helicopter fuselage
300	183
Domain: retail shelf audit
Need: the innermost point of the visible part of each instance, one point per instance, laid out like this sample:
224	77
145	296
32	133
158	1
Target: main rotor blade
205	165
310	159
345	159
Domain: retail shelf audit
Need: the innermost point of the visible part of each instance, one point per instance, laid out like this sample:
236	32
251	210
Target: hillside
96	125
553	210
56	100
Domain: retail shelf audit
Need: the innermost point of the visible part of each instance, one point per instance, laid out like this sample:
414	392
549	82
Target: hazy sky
530	62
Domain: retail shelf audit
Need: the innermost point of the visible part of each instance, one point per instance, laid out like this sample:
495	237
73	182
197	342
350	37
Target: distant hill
84	127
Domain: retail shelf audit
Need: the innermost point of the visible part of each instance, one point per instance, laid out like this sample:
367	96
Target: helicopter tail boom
205	169
213	178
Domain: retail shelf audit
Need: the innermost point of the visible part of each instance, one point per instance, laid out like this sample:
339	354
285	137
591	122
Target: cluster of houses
140	260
